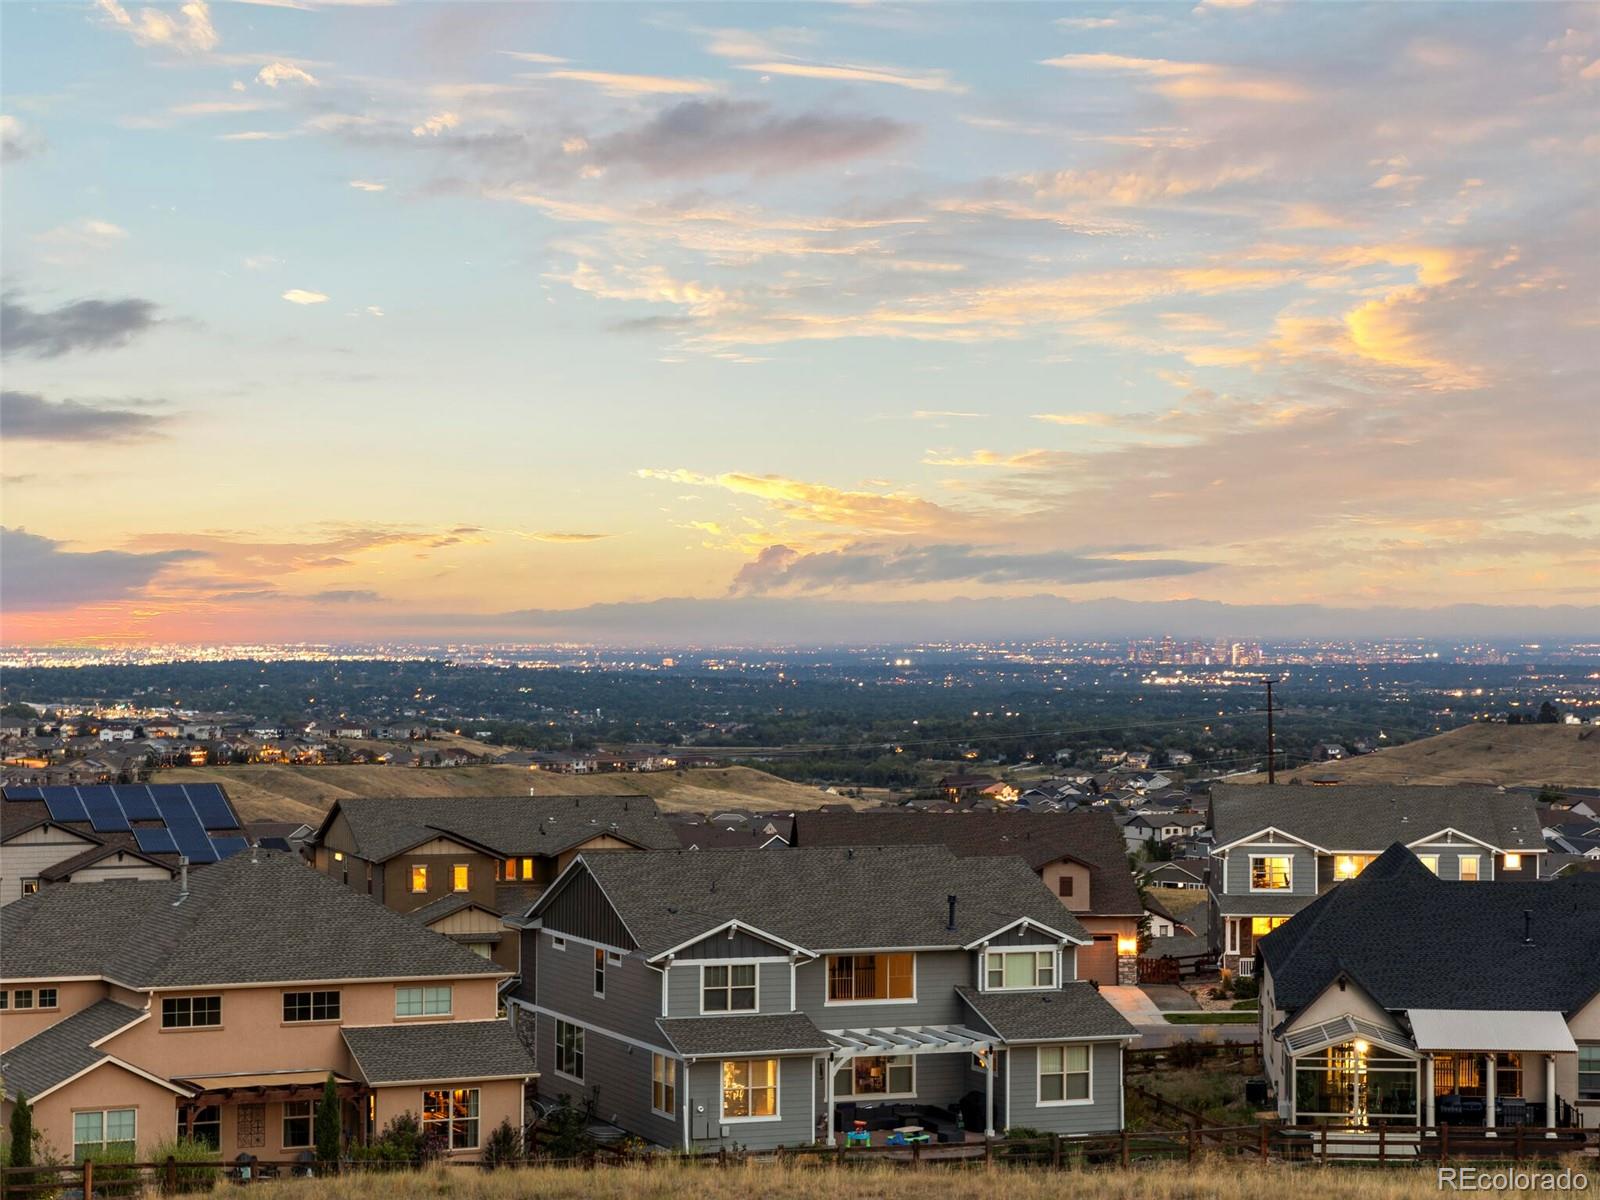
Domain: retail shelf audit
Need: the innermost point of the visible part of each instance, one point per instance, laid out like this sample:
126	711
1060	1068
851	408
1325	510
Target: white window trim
1423	859
597	972
731	1012
777	1091
672	1065
104	1127
424	1014
1477	867
1272	891
874	1096
1233	935
613	958
1055	970
911	999
1038	1077
556	1049
449	1122
557	942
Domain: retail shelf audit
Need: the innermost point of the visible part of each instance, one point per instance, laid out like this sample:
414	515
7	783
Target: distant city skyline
791	323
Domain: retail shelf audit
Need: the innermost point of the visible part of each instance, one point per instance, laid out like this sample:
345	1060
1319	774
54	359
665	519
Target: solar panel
155	841
24	793
105	814
211	806
225	846
137	803
64	804
167	791
192	840
174	806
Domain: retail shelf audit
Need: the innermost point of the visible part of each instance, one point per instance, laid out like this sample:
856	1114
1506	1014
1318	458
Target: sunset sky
349	320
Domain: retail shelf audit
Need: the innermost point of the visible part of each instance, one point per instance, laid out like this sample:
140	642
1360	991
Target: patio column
1427	1090
1550	1095
1488	1095
988	1095
827	1068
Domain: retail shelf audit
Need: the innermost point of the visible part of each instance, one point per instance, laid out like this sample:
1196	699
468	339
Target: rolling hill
264	792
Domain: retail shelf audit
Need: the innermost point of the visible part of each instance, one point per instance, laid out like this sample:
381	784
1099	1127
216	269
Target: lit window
1431	861
1020	969
419	879
1348	866
527	868
1513	862
1064	1075
729	987
1261	926
452	1116
30	887
874	1075
1271	872
663	1084
459	880
749	1089
1468	868
599	972
422	1001
853	978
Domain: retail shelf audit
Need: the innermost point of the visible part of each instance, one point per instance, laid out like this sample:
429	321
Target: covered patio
891	1049
1490	1069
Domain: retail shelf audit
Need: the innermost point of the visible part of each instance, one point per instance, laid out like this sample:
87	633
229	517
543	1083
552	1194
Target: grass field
1205	1179
1226	1017
1482	753
263	792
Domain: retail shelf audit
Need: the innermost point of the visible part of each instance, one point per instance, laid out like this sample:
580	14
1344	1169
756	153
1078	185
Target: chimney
951	900
183	879
1527	927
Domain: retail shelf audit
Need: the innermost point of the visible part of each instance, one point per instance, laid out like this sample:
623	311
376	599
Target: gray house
719	998
1276	848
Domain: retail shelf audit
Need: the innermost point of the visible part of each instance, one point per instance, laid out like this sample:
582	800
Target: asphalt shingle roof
824	899
1416	941
695	1036
438	1050
510	825
247	919
61	1051
1092	838
1078	1010
1365	818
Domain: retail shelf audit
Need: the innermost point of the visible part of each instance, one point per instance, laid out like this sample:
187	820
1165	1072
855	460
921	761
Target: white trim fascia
1269	829
732	923
1452	831
112	1060
1060	935
541	1010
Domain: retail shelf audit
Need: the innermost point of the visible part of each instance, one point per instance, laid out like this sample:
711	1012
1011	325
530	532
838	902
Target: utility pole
1272	742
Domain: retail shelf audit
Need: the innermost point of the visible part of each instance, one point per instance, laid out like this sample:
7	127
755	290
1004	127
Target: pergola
850	1044
260	1088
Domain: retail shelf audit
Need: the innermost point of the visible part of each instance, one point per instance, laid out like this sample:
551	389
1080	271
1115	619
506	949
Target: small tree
21	1149
329	1127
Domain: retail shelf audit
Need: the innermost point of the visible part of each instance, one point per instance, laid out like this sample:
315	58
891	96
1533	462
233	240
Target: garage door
1099	961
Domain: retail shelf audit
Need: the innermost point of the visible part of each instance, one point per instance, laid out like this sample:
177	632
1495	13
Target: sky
333	321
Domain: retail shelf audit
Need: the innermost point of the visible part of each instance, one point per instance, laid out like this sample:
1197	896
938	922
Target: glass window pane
1050	1087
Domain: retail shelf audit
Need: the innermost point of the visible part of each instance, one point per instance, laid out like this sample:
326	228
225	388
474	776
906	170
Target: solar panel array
189	814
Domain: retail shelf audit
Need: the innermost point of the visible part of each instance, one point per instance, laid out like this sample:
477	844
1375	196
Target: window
1261	926
1589	1072
460	878
877	1076
1348	866
419	879
22	998
107	1130
298	1116
311	1006
1507	1074
422	1002
1468	868
853	978
1020	969
453	1114
569	1050
1064	886
663	1084
1064	1075
1431	861
599	972
1513	862
30	887
728	987
750	1089
47	998
5	1000
205	1126
527	868
1271	872
190	1012
558	943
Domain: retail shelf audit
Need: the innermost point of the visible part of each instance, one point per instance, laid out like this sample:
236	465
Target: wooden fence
1379	1146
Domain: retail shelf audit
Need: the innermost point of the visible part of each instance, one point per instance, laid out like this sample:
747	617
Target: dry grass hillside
1482	753
263	792
1205	1180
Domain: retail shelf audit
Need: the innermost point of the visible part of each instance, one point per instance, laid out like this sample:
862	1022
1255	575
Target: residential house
1406	998
460	866
1080	857
1275	848
719	998
769	831
965	786
1164	923
217	1004
1145	829
1188	874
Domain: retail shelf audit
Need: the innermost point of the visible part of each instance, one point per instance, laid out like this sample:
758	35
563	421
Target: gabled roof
260	918
437	1051
1090	838
774	1034
509	825
1076	1011
94	854
1365	818
54	1055
875	897
1416	941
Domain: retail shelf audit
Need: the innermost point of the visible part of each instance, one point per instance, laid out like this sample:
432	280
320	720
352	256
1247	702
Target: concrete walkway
1154	1030
1135	1005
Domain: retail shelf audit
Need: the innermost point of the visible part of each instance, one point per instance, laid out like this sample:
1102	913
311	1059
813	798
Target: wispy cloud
902	77
28	416
277	73
188	30
1188	80
616	83
302	296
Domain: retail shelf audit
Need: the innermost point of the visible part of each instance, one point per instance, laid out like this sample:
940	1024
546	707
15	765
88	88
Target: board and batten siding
939	973
581	909
733	943
1022	1085
1236	869
798	1096
633	990
683	989
28	854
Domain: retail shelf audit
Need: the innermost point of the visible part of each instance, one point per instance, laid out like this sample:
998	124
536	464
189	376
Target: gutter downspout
988	1093
686	1064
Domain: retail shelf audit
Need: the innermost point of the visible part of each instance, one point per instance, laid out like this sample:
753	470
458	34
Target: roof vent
1527	927
183	879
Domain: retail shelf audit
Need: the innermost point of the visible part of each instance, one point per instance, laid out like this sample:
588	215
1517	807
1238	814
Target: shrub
504	1147
329	1125
196	1161
20	1152
1246	988
564	1133
1185	1055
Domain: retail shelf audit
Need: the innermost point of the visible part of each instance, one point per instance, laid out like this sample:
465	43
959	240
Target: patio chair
1511	1110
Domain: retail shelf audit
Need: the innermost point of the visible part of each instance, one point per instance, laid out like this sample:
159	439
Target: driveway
1144	1015
1134	1004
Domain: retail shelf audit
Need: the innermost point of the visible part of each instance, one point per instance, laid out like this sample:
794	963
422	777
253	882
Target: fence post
1324	1145
839	1154
1519	1144
1055	1151
916	1155
1265	1139
1124	1146
1194	1130
88	1178
1382	1146
172	1175
1444	1143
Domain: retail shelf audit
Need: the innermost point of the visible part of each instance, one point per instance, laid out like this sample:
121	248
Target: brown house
1080	856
